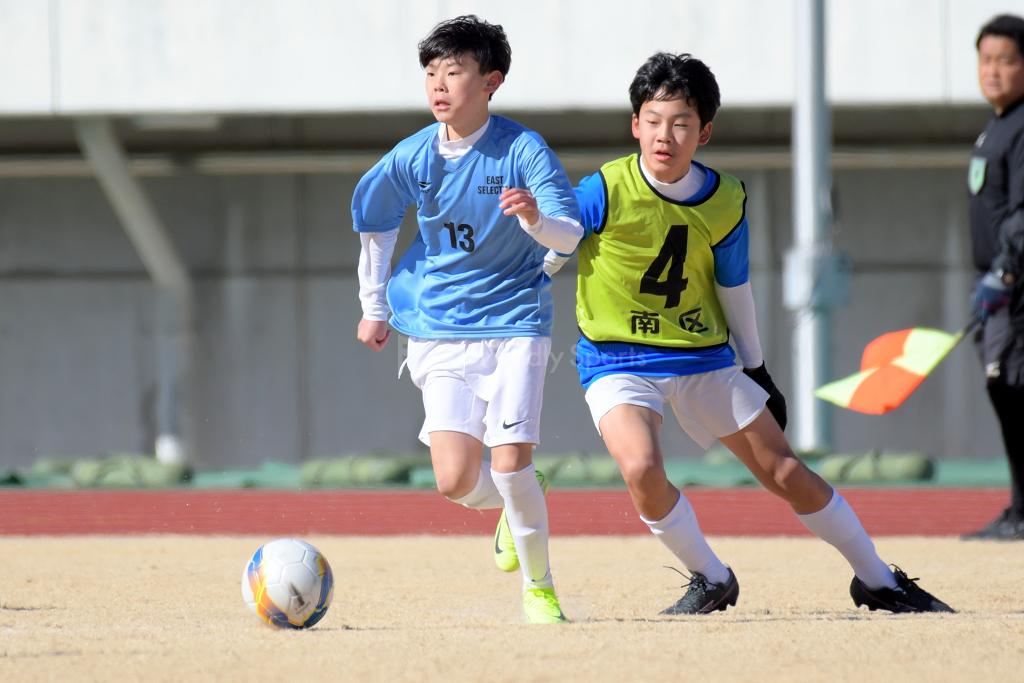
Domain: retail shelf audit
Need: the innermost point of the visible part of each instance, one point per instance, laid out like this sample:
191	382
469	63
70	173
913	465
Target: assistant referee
995	182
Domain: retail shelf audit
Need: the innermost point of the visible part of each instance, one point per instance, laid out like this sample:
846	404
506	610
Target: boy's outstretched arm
374	270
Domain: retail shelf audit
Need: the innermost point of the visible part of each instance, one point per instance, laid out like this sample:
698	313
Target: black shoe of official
1008	526
704	597
906	597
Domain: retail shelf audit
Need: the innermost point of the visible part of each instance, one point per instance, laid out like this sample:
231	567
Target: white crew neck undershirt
456	149
681	190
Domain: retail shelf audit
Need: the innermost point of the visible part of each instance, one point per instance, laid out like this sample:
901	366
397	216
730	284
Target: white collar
681	190
453	149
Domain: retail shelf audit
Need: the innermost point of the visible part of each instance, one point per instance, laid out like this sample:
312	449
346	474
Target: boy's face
669	132
457	92
1000	71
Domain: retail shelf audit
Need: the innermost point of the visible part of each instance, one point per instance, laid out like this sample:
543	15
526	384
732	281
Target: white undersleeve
559	232
738	306
553	262
374	270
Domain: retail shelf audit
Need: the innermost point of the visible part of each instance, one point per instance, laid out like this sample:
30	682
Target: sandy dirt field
168	608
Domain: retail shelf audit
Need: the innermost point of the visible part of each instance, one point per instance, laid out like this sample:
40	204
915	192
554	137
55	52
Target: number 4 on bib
672	255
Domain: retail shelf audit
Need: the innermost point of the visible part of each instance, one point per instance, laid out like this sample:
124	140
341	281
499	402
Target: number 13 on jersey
461	236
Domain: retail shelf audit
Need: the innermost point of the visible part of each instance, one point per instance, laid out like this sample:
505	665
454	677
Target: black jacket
995	181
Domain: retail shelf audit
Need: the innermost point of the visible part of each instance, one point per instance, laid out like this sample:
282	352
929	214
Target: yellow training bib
647	275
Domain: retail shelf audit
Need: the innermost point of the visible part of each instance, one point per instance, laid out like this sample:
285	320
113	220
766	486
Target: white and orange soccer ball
288	583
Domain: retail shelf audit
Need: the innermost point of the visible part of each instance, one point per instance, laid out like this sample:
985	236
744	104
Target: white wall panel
254	56
882	51
235	55
25	85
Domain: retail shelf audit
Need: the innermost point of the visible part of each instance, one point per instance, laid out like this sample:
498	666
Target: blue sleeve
592	196
732	257
381	197
548	182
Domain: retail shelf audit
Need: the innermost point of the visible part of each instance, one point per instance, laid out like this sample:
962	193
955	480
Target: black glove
776	401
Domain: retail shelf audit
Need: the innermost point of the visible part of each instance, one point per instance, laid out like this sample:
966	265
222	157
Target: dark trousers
1008	402
1000	345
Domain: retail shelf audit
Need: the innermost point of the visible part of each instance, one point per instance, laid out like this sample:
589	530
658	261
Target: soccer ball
288	584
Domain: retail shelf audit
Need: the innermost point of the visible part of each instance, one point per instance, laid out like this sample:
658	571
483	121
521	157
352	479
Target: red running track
729	512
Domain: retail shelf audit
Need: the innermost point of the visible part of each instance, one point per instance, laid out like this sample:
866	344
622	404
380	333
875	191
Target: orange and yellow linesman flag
892	366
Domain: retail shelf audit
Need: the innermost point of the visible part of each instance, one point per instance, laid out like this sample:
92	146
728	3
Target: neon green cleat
505	556
541	606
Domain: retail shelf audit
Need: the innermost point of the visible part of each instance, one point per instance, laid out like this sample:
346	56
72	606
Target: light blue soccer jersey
472	272
731	263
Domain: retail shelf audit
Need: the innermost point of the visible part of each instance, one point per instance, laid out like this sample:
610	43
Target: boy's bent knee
452	488
643	474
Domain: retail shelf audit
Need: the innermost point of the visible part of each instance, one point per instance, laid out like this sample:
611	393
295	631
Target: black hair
470	35
666	76
1006	25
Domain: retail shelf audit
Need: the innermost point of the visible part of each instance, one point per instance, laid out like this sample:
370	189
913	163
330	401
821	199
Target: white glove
553	262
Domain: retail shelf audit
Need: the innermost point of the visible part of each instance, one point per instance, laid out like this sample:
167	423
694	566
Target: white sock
681	534
484	495
527	515
837	524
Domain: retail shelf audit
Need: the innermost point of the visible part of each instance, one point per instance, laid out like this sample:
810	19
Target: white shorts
708	405
490	389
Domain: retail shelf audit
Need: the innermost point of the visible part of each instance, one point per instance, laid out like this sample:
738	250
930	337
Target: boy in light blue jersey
663	288
491	198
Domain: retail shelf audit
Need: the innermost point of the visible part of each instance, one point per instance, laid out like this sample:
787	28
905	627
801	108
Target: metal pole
174	289
807	264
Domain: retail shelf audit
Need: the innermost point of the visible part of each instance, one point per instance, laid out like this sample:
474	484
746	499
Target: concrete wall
280	375
187	56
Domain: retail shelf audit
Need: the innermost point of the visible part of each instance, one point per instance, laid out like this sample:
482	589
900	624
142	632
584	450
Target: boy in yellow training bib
662	289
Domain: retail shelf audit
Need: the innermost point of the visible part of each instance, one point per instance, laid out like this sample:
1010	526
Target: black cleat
906	597
1008	526
704	597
